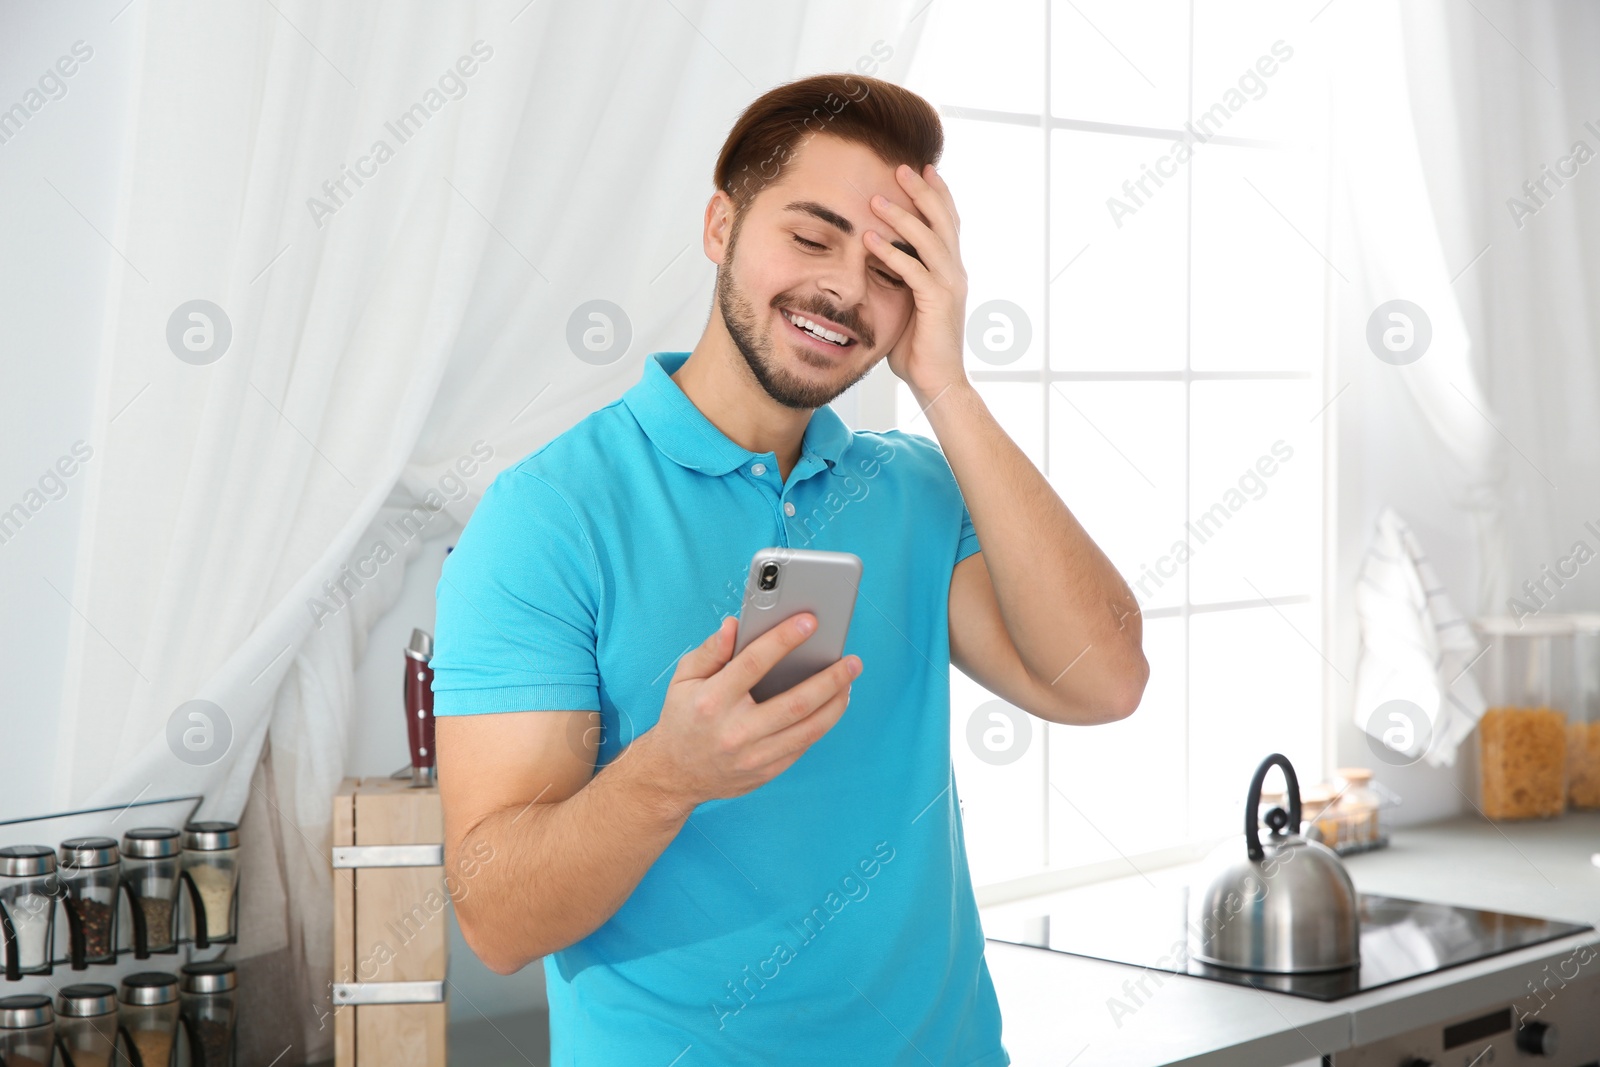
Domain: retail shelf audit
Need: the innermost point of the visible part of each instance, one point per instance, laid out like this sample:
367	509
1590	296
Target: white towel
1415	646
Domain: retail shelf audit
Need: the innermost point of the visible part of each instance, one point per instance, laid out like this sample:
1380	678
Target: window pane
1119	787
988	55
1016	406
1002	798
1255	688
1255	67
1256	470
1116	458
1002	243
1120	62
1258	260
1118	285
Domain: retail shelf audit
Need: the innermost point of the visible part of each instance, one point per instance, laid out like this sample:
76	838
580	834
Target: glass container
211	867
151	856
210	1011
1358	803
148	1012
1526	676
86	1025
1583	718
27	1031
28	890
91	868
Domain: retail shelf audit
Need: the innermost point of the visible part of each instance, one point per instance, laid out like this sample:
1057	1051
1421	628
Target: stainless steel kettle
1280	906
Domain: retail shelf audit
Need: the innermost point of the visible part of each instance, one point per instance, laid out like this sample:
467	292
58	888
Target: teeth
831	336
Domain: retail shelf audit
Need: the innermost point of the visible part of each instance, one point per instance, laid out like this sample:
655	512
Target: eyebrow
840	223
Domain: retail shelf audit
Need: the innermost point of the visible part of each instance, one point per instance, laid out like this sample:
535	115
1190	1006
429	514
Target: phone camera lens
769	575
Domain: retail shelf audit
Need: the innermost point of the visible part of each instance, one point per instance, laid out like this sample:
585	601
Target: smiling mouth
817	335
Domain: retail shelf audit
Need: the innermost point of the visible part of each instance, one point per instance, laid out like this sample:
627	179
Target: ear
718	225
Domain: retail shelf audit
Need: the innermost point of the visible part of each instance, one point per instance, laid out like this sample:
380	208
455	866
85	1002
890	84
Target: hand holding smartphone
782	582
710	742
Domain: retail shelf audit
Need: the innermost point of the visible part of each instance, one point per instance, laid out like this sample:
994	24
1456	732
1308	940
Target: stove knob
1537	1038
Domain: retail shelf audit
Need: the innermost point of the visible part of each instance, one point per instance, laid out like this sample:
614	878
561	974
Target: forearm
562	869
1071	616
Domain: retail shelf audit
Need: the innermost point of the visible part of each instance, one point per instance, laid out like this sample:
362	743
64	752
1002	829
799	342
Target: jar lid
89	852
25	1011
91	998
23	861
212	976
211	836
150	987
151	842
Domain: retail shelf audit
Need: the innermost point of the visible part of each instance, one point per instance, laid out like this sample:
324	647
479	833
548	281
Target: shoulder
916	454
575	459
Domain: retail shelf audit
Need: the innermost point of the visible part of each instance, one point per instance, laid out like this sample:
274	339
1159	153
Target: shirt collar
679	431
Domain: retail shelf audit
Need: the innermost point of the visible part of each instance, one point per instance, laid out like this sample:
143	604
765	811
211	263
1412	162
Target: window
1170	285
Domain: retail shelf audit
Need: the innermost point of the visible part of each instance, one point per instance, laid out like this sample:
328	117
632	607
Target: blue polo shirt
826	917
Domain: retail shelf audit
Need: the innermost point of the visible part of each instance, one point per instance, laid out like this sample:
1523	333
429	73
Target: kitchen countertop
1061	1009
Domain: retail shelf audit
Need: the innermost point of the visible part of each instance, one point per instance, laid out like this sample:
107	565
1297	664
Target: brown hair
894	122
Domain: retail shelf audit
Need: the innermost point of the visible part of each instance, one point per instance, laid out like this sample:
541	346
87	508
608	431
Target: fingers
790	743
751	665
711	655
936	239
803	698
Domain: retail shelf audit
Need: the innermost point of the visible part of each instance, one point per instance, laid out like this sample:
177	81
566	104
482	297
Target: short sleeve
517	603
969	536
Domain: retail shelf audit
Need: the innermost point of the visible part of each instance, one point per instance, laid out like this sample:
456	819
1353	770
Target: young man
705	876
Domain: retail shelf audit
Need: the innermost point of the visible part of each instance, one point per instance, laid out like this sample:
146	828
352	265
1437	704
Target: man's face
800	253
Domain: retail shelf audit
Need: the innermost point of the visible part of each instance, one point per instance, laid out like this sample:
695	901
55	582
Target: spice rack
94	883
79	925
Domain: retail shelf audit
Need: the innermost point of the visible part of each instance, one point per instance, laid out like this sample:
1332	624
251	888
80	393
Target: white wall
58	179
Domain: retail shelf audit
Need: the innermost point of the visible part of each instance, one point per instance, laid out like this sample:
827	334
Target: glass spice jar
1358	802
211	864
150	862
86	1025
210	1012
1583	720
1526	675
27	1031
1320	817
148	1011
91	870
28	890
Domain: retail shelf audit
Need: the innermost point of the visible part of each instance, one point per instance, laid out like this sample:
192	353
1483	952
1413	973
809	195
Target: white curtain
1502	94
411	327
1453	110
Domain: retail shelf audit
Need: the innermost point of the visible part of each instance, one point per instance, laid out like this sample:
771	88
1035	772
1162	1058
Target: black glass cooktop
1400	939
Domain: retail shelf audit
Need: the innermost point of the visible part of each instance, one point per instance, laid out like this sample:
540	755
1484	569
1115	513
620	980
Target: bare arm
566	846
1045	607
559	851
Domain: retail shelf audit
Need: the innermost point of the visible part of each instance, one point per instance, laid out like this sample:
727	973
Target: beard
753	338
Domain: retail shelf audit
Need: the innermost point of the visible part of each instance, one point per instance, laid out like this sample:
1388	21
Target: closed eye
812	246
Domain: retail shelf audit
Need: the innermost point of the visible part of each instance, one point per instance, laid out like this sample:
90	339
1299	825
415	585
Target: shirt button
759	469
788	508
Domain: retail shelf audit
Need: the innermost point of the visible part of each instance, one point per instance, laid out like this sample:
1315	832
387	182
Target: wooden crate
386	928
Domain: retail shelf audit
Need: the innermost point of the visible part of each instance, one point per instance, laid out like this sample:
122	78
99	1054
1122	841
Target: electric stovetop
1400	939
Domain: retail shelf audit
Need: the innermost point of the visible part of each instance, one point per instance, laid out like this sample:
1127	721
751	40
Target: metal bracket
388	856
388	992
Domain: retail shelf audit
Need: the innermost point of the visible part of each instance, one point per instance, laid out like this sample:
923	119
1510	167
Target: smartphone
786	581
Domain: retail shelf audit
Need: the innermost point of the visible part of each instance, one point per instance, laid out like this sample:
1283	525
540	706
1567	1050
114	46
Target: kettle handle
1252	818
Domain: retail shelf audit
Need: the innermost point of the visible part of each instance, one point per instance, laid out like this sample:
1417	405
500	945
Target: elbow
493	951
1128	691
1117	696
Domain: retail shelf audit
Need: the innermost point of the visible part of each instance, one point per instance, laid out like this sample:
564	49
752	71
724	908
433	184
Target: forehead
840	176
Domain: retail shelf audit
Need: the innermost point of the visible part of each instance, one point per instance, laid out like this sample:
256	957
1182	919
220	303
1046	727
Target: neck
717	380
